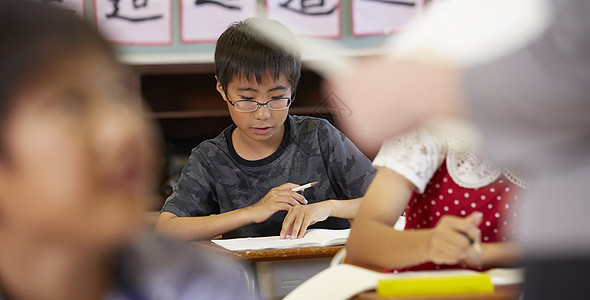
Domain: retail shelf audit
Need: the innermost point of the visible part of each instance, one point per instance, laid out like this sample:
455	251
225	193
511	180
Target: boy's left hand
301	216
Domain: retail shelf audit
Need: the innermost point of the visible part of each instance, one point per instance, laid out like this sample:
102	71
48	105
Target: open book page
345	281
313	238
327	237
506	276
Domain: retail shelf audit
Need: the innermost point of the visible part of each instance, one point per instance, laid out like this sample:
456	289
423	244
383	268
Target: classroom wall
195	53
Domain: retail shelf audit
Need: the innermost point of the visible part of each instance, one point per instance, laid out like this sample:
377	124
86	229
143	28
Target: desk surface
274	255
506	292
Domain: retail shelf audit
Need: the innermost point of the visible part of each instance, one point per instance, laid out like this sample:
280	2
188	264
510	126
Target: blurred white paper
316	18
135	22
383	17
75	6
203	21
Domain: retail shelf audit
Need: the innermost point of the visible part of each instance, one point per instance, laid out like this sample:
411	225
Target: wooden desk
278	272
274	254
505	292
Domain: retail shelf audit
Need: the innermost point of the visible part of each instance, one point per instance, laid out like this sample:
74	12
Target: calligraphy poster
203	21
75	6
316	18
135	22
383	17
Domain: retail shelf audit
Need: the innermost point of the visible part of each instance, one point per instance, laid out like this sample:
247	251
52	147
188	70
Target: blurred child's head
72	169
251	66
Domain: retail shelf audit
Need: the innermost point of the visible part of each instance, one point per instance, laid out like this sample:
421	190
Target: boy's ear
219	88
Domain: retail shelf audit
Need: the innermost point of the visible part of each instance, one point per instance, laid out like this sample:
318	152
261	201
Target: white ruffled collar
470	169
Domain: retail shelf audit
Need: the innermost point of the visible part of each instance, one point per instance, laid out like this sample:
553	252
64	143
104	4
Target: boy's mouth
261	130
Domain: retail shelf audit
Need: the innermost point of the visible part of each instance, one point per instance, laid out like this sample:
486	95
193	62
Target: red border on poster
83	9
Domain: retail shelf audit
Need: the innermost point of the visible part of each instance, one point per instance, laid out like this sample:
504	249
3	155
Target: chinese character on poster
202	21
135	22
382	17
316	18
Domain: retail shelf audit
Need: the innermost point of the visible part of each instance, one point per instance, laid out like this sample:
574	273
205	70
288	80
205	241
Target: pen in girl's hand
476	246
305	186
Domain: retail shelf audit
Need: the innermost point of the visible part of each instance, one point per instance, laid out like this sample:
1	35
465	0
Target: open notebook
313	238
345	281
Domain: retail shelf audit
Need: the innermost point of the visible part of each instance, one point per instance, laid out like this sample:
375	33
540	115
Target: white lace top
418	154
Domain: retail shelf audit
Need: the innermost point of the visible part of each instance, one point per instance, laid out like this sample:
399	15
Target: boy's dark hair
34	37
242	50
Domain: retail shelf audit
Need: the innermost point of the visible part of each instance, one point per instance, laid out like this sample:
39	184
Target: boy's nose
262	113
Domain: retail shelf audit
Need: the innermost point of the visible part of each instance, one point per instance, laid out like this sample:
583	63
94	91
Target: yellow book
435	285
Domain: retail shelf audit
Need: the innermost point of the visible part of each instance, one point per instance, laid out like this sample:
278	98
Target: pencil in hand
303	187
476	246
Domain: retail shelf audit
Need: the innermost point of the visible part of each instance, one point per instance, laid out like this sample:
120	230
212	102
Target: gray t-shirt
217	180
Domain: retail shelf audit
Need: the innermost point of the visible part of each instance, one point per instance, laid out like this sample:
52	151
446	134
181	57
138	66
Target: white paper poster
383	17
75	6
202	21
135	22
317	18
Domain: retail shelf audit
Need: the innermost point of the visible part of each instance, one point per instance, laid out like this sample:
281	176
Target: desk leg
276	279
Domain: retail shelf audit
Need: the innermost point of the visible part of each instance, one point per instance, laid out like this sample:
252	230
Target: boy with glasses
240	184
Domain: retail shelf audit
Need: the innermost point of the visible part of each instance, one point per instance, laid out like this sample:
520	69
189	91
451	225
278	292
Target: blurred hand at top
385	98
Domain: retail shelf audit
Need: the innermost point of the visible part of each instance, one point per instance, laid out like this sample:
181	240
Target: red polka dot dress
451	180
443	196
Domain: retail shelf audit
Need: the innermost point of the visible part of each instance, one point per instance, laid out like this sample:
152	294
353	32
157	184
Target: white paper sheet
135	22
316	18
383	17
202	21
313	238
76	6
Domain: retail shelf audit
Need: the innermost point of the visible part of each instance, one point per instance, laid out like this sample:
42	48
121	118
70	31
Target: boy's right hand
449	240
278	198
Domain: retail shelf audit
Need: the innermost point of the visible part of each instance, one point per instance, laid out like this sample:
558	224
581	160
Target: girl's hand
497	254
475	257
452	238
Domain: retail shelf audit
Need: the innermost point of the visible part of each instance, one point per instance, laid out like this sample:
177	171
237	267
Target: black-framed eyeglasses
251	105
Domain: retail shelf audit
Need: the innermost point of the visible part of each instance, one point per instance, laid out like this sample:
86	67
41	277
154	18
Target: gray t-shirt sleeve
193	194
350	171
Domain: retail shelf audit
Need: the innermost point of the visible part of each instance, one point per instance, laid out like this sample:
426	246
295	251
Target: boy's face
75	171
263	123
